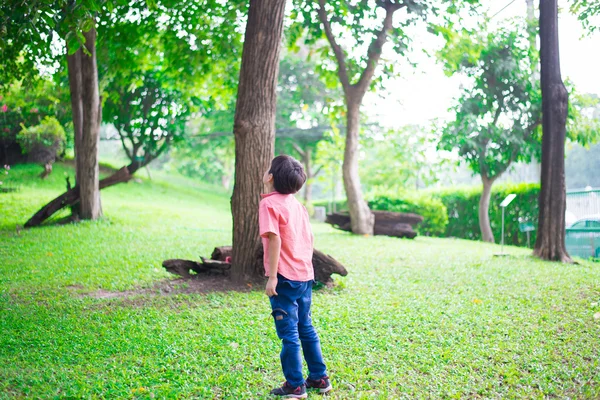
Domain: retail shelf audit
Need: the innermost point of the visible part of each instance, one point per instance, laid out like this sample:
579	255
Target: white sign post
505	203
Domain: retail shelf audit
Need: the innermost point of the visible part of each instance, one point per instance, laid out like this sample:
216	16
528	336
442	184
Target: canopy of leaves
356	24
27	27
162	64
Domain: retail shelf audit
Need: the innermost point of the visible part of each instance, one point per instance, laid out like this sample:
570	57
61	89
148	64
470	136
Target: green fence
583	223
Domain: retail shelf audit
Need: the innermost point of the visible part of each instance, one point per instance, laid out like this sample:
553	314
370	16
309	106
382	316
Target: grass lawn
427	318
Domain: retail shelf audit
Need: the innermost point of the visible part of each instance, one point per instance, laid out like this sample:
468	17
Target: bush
43	142
433	211
463	212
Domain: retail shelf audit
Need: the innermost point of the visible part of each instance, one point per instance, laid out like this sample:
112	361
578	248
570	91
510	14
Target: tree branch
121	136
317	171
375	49
337	50
298	149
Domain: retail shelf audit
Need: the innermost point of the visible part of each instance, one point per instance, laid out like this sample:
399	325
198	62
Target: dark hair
288	174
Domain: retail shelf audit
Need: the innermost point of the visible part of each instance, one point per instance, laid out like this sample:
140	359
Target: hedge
463	217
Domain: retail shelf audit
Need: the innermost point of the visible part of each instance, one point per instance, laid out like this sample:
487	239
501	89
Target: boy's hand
271	285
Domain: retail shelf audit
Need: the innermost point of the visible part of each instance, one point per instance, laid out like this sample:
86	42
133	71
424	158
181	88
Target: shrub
43	142
463	212
433	211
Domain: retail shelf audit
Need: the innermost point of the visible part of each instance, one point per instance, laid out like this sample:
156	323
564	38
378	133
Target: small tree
357	71
148	117
498	115
43	143
304	105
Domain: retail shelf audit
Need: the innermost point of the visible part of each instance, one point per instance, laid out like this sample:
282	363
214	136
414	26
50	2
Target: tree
550	243
357	74
208	151
304	105
254	129
25	27
153	72
498	115
166	63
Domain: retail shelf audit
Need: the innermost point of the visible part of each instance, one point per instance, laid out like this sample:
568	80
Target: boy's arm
274	250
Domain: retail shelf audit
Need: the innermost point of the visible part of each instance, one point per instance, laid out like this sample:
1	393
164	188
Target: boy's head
286	175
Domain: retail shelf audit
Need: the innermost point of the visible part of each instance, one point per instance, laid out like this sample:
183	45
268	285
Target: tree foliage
163	65
400	159
498	115
588	12
43	142
26	28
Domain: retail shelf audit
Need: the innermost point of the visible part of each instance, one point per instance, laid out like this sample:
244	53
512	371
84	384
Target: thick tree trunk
254	129
484	210
88	177
361	217
550	243
85	104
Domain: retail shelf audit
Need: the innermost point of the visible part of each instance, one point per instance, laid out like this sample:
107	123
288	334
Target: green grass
428	318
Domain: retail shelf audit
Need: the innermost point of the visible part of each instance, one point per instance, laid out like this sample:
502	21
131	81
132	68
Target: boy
288	246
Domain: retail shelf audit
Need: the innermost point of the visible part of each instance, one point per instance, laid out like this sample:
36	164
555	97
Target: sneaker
289	391
322	384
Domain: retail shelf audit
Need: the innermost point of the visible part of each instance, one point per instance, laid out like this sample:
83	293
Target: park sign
505	203
507	200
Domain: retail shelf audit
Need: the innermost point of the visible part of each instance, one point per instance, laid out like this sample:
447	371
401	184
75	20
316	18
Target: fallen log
396	217
323	264
71	197
387	223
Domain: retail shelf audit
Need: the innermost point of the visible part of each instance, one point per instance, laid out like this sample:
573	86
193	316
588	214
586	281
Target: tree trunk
90	207
254	129
85	105
361	217
550	243
306	160
484	210
74	70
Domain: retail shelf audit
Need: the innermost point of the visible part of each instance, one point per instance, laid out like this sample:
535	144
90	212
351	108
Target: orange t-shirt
284	216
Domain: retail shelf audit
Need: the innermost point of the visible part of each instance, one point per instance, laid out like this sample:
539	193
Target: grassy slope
429	318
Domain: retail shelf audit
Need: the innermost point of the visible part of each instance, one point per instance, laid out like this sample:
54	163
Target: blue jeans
291	312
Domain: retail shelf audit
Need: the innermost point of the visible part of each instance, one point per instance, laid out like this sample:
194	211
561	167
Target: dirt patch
196	284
